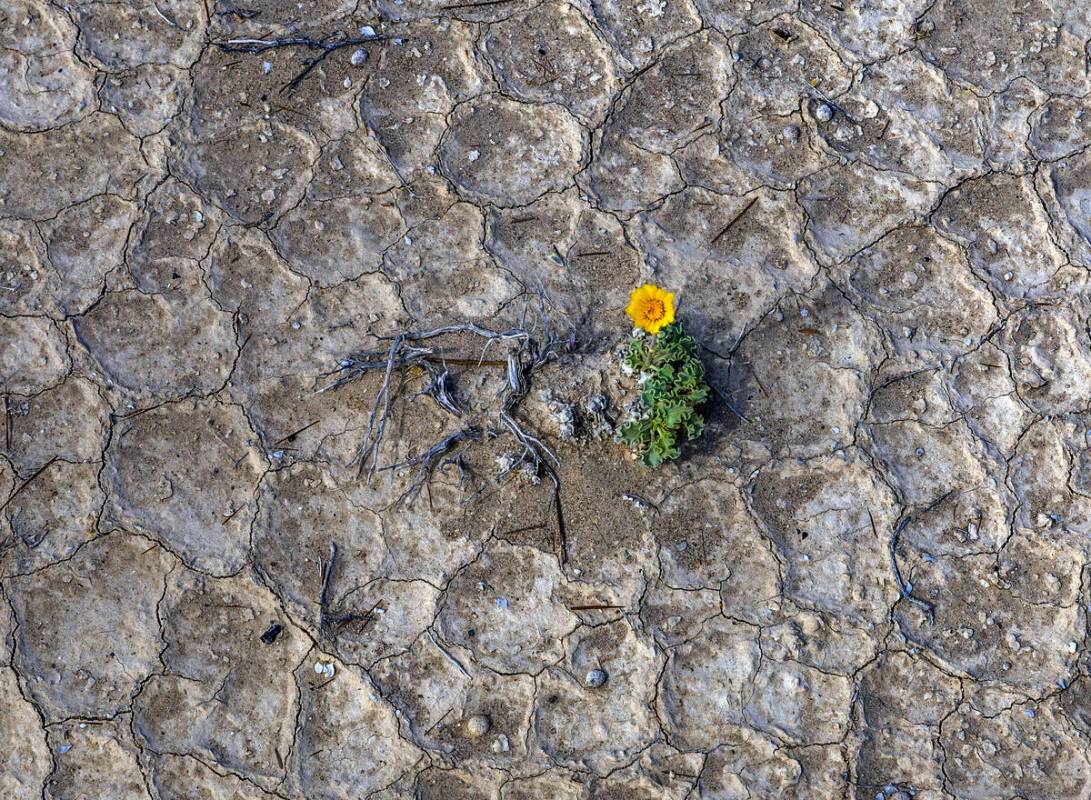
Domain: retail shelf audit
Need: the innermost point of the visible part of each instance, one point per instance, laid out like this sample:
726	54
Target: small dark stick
734	219
296	433
562	533
323	597
27	482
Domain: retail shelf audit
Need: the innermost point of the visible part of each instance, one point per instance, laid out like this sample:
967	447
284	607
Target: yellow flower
651	308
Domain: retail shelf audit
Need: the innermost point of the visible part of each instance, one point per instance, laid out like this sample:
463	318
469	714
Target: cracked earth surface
871	579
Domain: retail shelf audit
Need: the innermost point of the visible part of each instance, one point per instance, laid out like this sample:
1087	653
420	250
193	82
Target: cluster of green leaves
674	387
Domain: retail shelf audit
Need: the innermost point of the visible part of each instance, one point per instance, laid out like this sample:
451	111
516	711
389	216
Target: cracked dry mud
871	578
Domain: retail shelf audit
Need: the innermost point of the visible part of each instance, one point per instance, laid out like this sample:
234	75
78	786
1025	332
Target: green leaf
674	387
675	415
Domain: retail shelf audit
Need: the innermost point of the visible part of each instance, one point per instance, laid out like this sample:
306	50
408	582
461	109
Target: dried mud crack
871	577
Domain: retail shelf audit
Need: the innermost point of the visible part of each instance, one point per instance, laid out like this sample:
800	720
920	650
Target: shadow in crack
725	410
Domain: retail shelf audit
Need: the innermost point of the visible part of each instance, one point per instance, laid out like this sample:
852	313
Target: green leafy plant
673	379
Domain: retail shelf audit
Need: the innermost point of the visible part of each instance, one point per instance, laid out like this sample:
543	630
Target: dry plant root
535	345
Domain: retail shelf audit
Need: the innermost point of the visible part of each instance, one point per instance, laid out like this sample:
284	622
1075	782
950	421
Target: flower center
654	309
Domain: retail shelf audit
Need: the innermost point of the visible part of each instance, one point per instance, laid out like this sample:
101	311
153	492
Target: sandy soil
869	580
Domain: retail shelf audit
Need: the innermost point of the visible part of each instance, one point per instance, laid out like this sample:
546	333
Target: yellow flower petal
651	307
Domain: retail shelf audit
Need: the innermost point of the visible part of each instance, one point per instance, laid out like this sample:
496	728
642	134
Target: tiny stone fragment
477	726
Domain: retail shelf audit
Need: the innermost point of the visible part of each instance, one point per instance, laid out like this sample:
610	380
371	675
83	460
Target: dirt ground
869	580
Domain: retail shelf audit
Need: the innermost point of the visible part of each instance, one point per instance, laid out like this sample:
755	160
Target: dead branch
904	589
326	46
534	347
324	593
427	462
408	350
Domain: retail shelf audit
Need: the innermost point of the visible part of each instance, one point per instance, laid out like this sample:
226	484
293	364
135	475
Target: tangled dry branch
535	345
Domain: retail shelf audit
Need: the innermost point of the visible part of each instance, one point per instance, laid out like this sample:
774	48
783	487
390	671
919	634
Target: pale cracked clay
870	578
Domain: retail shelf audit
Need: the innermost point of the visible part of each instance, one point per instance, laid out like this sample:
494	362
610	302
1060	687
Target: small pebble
823	113
358	57
271	633
367	30
478	725
595	677
501	602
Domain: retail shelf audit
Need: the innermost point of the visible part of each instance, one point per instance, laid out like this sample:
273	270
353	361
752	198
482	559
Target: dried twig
534	346
905	589
326	46
367	617
447	653
460	465
734	220
439	390
27	482
324	594
426	463
407	350
296	433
